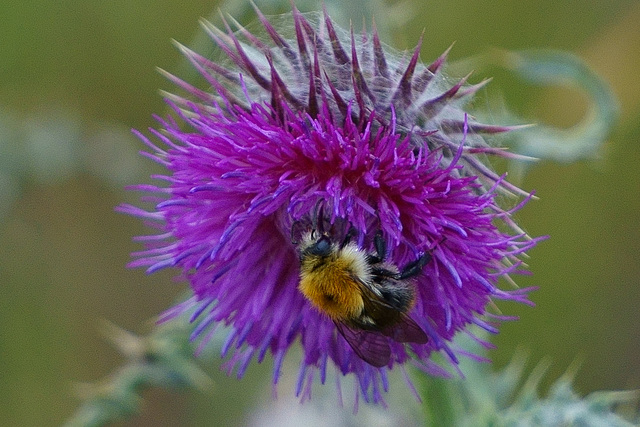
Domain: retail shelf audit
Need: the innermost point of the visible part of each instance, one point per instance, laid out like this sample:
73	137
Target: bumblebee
367	298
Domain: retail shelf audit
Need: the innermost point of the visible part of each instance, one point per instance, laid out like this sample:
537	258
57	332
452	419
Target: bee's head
305	231
315	244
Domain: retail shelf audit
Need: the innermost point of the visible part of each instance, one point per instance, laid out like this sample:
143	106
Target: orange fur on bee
330	284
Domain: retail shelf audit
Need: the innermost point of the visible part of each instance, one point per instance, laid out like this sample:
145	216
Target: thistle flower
377	139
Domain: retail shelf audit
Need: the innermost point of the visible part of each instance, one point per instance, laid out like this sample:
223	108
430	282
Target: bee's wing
372	347
402	328
406	330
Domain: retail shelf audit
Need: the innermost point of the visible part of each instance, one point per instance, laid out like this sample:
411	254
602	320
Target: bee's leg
415	267
381	249
347	238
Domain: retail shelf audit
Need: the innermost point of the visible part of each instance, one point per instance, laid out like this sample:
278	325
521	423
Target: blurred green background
75	76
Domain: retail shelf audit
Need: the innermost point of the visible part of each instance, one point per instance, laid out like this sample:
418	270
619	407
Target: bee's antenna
320	219
347	237
317	218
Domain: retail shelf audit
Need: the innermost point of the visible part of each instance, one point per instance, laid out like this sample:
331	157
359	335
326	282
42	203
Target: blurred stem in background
549	68
164	358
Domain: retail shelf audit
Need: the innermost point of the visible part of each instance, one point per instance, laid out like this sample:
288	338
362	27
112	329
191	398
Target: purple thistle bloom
377	139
